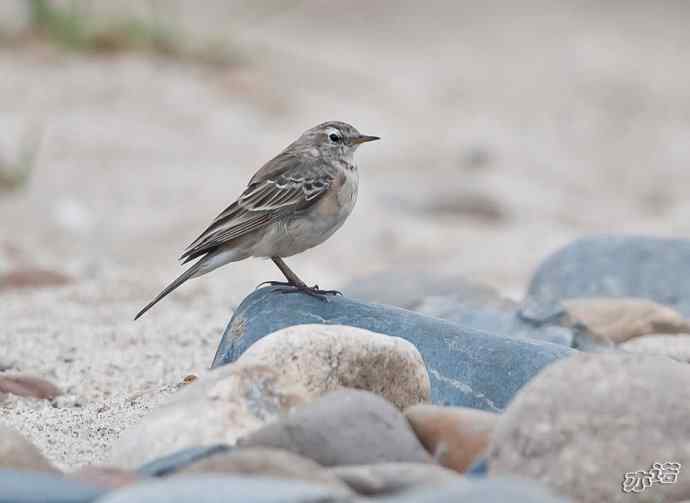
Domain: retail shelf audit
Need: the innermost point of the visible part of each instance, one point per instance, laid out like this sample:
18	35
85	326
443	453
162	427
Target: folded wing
291	185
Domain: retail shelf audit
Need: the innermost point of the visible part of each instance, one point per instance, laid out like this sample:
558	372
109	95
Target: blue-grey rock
179	460
344	427
215	489
38	487
467	367
617	266
480	491
454	298
509	324
425	289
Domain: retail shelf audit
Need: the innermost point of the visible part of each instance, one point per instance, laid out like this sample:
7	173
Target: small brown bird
296	201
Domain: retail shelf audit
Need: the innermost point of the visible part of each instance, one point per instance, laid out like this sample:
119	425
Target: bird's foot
318	291
312	291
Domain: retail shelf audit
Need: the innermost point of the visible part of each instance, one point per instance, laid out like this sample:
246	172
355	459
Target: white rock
326	357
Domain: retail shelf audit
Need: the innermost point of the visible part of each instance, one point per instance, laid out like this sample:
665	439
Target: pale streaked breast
315	225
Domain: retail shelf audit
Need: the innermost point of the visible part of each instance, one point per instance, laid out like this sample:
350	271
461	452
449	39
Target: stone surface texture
345	427
585	421
327	357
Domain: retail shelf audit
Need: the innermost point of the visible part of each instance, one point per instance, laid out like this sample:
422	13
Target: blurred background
509	128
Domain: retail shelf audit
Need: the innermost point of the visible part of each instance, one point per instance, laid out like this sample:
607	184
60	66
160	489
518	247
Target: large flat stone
466	367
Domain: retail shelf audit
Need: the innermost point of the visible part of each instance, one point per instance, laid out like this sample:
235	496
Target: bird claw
273	283
327	292
312	291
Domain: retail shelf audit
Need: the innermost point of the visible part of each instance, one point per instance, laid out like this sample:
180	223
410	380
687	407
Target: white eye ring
335	137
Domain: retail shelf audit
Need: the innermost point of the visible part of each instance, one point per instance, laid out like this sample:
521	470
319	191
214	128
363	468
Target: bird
296	201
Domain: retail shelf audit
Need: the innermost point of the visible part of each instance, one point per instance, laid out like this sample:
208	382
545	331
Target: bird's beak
364	138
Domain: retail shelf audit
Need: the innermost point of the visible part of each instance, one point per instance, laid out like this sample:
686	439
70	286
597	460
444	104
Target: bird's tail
188	274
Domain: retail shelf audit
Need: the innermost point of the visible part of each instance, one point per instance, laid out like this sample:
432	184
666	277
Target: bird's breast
340	200
315	225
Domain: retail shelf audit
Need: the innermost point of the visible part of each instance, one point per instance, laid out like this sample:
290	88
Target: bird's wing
296	186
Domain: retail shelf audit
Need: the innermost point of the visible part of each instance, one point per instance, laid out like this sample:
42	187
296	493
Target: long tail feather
189	273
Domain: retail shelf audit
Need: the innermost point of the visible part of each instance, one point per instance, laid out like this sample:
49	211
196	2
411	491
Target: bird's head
334	139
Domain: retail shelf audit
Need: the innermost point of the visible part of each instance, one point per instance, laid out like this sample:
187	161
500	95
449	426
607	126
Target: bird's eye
334	137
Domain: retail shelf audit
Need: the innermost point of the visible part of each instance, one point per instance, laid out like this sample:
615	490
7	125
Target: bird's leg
294	284
292	278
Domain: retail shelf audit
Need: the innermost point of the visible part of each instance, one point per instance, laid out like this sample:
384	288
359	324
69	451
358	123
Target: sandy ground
507	131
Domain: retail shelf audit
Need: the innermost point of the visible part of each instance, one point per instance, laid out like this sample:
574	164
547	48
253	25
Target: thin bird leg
292	278
294	284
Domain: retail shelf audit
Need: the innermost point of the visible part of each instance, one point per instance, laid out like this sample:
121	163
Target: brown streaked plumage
294	202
